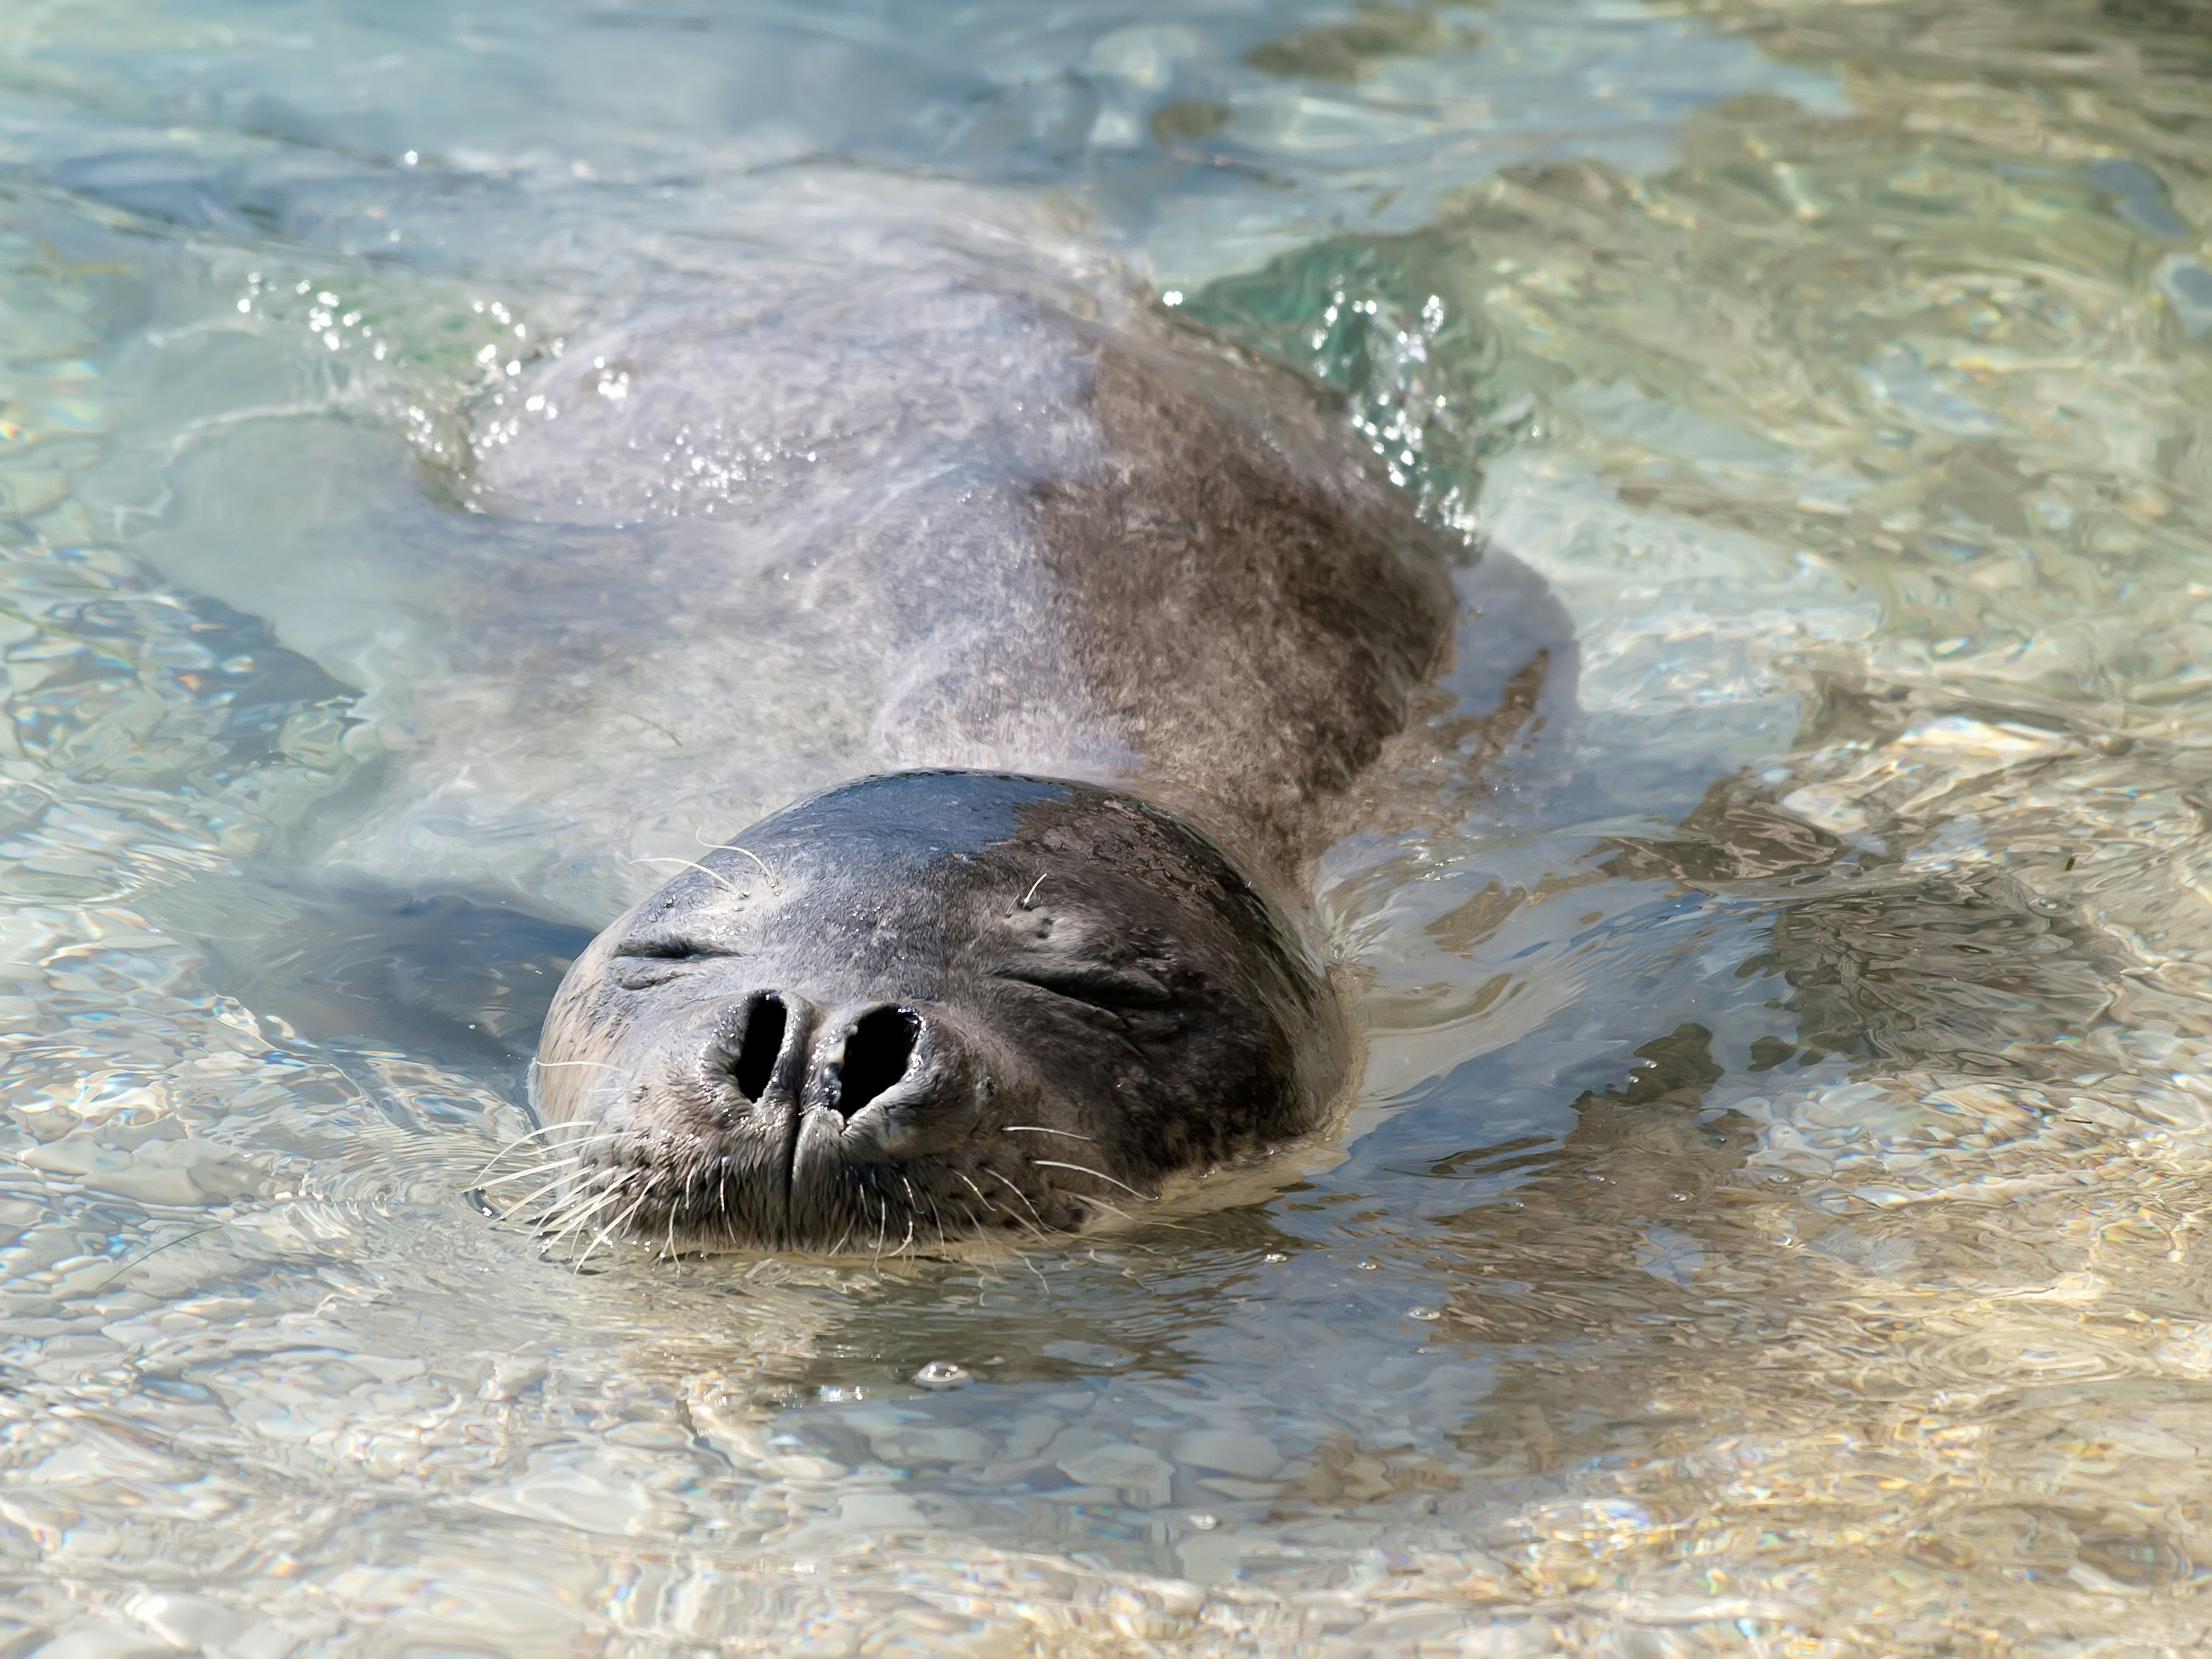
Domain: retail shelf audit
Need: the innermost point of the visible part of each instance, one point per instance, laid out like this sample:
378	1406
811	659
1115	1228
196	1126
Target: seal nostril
763	1043
876	1056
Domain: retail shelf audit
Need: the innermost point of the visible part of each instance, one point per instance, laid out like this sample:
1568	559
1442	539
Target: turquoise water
1773	1220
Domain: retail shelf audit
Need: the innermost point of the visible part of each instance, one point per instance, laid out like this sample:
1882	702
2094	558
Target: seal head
927	1006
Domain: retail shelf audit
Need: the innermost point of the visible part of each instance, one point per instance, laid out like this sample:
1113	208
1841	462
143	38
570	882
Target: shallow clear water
1775	1219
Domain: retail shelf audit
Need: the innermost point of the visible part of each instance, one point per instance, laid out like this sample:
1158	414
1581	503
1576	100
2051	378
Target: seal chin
927	1008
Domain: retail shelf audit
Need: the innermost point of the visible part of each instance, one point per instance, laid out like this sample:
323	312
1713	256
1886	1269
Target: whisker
693	864
1039	1129
542	1129
992	1206
524	1174
572	1147
614	1195
1019	1193
1114	1209
552	1247
1050	1164
582	1216
536	1151
522	1140
575	1125
573	1158
1028	1227
583	1138
774	886
690	1179
573	1212
552	1186
731	847
937	1215
605	1235
1150	1222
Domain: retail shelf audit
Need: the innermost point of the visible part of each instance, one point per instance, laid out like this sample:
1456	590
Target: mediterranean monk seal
1052	634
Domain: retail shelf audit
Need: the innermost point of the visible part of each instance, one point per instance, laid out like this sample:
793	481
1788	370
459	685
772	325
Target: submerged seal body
1156	613
1039	636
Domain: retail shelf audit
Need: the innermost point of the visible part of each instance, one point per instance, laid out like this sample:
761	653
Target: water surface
1774	1221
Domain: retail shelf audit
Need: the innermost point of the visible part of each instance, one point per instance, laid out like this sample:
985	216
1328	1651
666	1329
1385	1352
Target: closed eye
1114	989
640	963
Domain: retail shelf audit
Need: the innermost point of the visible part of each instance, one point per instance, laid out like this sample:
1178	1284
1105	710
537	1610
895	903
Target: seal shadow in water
442	974
461	977
1877	970
1886	966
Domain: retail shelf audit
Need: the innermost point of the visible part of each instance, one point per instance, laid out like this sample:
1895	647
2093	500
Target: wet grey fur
908	515
891	494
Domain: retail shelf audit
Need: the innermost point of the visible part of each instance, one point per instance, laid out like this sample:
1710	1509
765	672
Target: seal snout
875	1057
782	1043
764	1031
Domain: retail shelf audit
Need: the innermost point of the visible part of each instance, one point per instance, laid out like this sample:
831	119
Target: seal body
1038	636
912	515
